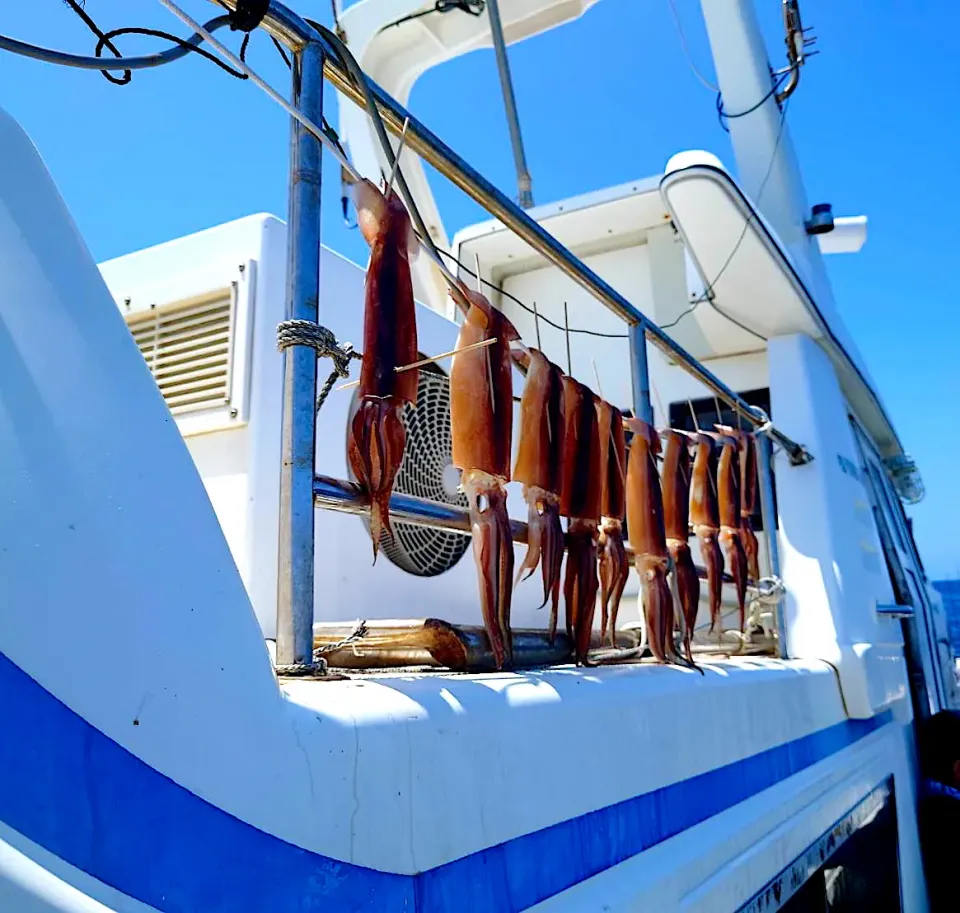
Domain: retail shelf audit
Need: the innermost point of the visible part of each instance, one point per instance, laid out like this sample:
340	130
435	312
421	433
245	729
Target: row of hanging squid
573	461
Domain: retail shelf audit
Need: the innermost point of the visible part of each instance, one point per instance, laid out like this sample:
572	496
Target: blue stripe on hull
71	789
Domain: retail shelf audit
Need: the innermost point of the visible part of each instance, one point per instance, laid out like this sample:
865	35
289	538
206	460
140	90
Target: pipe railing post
298	435
640	373
524	182
769	513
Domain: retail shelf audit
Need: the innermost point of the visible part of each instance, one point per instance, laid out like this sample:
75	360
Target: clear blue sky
603	101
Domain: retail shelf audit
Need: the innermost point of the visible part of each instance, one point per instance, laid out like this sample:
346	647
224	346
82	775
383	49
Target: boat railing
317	56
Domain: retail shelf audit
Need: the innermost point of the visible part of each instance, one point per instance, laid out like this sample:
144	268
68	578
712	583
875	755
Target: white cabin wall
628	271
829	546
239	460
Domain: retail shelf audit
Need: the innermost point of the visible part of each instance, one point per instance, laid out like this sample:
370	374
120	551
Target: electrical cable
90	24
536	313
183	47
686	50
471	7
180	42
723	115
707	294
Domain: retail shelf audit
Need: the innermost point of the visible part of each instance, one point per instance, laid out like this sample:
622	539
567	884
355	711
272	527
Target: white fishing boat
211	701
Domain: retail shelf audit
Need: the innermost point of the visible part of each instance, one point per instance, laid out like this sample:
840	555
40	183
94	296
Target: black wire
708	292
537	314
723	116
90	24
471	7
283	53
104	40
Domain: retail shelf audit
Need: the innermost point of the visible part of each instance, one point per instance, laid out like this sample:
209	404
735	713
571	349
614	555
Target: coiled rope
324	343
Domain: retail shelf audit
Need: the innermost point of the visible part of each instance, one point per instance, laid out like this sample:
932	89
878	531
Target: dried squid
675	482
538	466
614	568
481	415
648	538
728	496
705	517
580	501
748	501
377	434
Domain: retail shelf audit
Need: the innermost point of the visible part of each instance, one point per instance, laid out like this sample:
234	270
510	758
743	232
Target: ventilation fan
427	471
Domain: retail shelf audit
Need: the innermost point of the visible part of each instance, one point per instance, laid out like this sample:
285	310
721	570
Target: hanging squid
580	501
748	501
705	517
614	569
539	467
676	516
481	416
728	496
647	536
377	434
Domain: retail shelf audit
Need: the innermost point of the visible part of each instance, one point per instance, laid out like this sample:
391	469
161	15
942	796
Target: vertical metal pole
524	181
640	374
298	435
769	514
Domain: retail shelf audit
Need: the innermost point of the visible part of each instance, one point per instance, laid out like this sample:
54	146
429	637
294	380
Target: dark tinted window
707	411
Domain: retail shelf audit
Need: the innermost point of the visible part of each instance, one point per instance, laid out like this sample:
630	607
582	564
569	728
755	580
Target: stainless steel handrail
280	22
300	490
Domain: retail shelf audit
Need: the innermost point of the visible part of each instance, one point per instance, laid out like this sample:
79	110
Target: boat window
858	867
706	411
883	493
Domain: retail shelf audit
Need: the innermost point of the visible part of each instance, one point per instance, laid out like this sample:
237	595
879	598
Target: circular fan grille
427	472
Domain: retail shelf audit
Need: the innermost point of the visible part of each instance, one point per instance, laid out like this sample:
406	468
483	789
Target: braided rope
359	631
302	670
324	343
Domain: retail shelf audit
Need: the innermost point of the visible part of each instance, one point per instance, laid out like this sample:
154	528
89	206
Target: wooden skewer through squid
377	434
675	481
614	568
580	501
705	517
648	538
728	496
481	416
539	467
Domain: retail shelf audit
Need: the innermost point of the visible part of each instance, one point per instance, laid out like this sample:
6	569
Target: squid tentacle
657	606
375	452
688	589
493	551
750	546
737	560
581	585
614	573
713	561
545	547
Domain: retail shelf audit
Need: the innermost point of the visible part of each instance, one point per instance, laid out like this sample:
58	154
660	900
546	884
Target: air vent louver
188	352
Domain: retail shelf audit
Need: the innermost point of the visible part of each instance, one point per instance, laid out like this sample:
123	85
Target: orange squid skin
614	568
580	491
648	538
748	501
539	468
728	496
481	416
676	476
705	517
377	435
